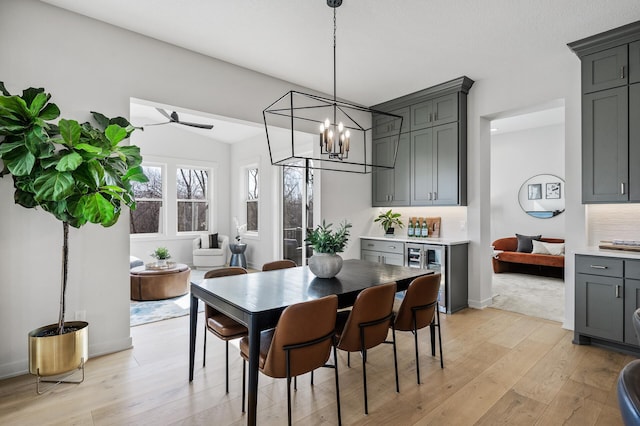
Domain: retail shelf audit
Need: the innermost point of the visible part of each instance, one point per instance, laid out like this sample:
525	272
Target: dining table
257	300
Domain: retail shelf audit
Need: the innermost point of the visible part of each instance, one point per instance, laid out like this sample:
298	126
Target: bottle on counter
425	228
410	228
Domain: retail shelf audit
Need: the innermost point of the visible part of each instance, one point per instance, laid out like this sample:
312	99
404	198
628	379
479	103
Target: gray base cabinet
390	253
607	292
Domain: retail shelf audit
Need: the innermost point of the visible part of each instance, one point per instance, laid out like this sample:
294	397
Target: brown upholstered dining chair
279	264
419	309
367	326
219	324
297	345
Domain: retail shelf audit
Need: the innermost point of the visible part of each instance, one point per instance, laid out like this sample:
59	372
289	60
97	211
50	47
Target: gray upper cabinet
434	166
605	146
634	62
610	110
431	162
384	126
605	69
441	110
391	186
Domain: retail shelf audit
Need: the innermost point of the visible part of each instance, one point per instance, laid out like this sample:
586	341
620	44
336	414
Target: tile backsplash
612	221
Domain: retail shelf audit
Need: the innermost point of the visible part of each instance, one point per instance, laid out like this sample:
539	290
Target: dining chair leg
349	359
395	358
244	381
335	368
226	359
432	329
311	377
204	349
295	383
364	380
288	389
415	341
440	340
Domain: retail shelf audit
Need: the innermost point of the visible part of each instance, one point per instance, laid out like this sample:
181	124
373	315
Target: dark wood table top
273	290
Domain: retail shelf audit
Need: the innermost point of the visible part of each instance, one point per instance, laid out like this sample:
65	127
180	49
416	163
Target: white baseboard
480	304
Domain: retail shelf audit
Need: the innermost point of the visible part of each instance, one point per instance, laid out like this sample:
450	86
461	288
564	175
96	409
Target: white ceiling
385	49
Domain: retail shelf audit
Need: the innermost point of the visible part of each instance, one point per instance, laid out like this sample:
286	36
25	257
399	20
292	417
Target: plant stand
42	379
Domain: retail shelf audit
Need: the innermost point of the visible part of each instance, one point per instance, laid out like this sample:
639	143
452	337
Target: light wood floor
500	368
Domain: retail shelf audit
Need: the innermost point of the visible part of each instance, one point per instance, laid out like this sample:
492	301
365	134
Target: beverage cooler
428	256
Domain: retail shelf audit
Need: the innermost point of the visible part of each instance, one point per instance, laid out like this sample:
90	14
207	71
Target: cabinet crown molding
606	40
461	84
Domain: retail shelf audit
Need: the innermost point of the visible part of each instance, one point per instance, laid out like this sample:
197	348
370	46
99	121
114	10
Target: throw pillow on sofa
525	244
540	247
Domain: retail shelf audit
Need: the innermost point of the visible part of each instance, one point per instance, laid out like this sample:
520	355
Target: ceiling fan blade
157	124
198	125
164	113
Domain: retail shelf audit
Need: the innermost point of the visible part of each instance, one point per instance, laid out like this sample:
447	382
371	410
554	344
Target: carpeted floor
531	295
157	310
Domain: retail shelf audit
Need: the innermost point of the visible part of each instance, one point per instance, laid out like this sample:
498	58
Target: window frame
162	221
209	198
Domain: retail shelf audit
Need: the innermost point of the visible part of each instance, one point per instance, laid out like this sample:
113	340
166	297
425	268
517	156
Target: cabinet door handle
430	196
435	195
370	245
597	267
617	292
621	188
622	72
392	247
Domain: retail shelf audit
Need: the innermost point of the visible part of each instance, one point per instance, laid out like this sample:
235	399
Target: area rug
531	295
157	310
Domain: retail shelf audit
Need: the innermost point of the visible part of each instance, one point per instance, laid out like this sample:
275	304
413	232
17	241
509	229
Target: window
146	218
192	198
252	199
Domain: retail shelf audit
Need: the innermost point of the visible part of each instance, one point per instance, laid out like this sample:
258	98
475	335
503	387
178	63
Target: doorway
527	145
297	210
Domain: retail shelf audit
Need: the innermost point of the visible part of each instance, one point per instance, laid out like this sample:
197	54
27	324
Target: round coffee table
237	255
151	283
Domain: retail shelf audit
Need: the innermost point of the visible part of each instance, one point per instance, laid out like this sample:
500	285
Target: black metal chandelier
333	134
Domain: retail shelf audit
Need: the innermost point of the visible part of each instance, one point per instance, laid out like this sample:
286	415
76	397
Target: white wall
174	147
88	65
516	157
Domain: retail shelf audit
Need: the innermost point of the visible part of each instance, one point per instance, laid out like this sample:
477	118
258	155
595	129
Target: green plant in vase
78	172
161	254
388	220
326	244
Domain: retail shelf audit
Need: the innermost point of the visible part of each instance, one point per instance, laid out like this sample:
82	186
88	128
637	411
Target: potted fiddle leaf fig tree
326	243
79	173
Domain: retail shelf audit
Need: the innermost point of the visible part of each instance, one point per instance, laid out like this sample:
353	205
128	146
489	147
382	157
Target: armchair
204	257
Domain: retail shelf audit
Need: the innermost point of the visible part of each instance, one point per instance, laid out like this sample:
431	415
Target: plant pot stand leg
40	379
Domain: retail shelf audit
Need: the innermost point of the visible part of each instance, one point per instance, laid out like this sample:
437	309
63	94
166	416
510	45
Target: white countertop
417	240
596	251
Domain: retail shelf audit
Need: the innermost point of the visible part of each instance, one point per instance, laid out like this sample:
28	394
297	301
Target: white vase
325	265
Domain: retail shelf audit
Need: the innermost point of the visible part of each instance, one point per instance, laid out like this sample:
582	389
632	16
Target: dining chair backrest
636	323
279	264
371	305
422	292
310	325
225	272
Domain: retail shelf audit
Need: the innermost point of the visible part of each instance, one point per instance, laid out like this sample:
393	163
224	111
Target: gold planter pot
60	353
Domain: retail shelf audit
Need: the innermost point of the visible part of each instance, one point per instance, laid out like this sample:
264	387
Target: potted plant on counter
80	174
388	220
326	244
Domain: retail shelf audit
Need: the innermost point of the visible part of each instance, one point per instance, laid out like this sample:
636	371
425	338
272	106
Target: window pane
252	216
151	189
193	216
191	184
145	219
252	184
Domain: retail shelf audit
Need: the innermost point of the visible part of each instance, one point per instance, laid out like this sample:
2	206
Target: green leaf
70	131
49	112
90	173
95	209
136	174
115	134
16	106
33	140
53	186
101	119
4	89
69	162
132	155
38	103
19	161
88	148
25	199
29	95
8	147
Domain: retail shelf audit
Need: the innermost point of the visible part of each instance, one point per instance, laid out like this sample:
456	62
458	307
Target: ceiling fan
174	118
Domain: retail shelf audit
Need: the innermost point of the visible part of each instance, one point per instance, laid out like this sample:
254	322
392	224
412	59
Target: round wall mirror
542	196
